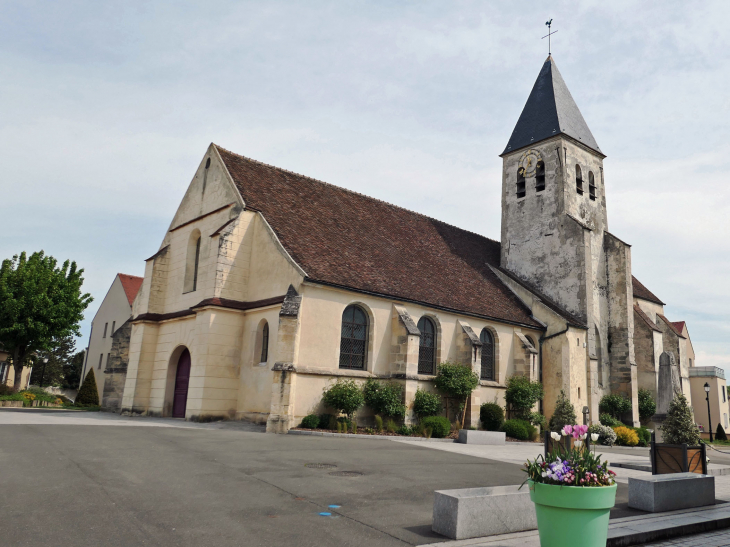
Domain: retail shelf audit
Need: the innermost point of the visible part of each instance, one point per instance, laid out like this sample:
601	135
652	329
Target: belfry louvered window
521	183
488	372
591	186
354	338
540	176
427	347
578	180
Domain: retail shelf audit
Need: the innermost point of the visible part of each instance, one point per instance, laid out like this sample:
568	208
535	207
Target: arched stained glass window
427	347
354	338
488	372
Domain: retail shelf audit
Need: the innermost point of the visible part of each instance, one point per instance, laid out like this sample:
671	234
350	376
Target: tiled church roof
131	285
640	291
343	238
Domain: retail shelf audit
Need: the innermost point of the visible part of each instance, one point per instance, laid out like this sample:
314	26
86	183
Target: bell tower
555	234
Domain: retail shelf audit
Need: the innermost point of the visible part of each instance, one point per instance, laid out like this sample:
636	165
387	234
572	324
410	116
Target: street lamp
709	419
43	372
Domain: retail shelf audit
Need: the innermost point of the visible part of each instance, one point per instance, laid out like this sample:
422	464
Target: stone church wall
116	369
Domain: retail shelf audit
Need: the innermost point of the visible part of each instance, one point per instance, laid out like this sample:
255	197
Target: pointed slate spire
549	111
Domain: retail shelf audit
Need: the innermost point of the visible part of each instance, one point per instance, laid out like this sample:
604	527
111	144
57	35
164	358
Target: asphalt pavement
76	479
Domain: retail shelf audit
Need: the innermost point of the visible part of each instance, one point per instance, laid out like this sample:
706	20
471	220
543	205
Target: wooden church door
182	379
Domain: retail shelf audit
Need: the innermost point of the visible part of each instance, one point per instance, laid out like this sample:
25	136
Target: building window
540	176
724	393
690	362
354	338
427	347
578	180
488	372
591	186
106	325
520	183
725	416
108	358
265	343
101	358
191	263
3	372
113	325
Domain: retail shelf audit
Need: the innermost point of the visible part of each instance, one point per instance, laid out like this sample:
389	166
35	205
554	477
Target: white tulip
594	437
578	444
555	436
583	437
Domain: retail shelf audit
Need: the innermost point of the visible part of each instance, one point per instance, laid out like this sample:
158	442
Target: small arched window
520	183
591	186
488	372
354	338
265	343
540	176
427	347
191	262
578	180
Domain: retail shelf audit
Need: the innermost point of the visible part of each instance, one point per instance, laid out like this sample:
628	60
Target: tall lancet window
488	372
427	347
540	176
578	180
191	262
591	186
520	182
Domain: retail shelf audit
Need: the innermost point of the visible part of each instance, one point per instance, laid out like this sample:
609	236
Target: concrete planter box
470	436
12	403
671	492
477	512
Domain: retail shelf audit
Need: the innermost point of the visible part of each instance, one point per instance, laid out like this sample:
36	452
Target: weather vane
550	33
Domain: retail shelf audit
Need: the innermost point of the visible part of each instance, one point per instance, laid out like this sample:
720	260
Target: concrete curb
380	437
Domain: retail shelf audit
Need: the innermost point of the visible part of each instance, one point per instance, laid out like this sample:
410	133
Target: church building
269	285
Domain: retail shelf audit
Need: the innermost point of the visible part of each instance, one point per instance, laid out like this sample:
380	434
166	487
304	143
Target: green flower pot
572	516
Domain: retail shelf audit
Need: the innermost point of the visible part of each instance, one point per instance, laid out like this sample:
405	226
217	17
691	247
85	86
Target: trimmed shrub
614	404
353	427
378	424
609	421
344	396
606	435
426	403
679	426
626	436
385	399
492	416
647	405
720	434
404	430
311	421
517	429
88	394
521	395
324	421
538	419
391	426
644	436
564	413
439	425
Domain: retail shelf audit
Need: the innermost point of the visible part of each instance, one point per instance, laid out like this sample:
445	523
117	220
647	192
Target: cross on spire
550	33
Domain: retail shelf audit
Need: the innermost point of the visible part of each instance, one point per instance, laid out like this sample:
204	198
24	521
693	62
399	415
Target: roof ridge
352	192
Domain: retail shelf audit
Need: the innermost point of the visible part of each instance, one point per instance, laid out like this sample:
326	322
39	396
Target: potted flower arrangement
573	492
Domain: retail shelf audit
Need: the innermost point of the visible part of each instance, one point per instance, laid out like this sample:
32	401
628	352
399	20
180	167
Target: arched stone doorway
182	380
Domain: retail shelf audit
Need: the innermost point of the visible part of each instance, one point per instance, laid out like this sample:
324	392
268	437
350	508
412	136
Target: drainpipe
540	342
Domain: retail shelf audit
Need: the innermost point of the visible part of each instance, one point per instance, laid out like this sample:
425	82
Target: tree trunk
18	358
463	414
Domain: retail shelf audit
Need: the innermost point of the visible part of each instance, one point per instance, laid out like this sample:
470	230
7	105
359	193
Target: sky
108	107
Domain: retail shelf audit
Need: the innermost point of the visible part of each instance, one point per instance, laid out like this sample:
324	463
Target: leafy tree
39	302
680	427
72	371
647	405
59	355
385	399
614	404
521	396
564	413
344	396
456	381
88	394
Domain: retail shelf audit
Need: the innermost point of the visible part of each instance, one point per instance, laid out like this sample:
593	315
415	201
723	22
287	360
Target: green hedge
521	430
440	426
